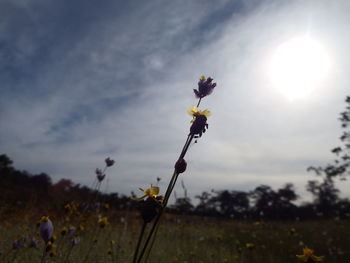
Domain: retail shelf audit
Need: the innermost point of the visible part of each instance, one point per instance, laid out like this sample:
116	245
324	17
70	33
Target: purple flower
16	244
71	229
205	87
74	241
100	175
34	243
46	229
109	162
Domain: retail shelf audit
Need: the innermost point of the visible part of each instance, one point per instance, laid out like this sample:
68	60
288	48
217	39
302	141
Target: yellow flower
194	111
309	256
80	228
250	245
50	246
202	78
67	208
152	192
44	219
64	230
103	222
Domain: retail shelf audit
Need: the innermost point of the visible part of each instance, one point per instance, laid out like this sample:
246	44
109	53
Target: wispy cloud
81	82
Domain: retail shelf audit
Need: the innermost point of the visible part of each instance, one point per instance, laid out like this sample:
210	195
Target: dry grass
181	239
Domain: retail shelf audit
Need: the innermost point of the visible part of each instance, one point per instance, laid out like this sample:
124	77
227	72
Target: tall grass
184	239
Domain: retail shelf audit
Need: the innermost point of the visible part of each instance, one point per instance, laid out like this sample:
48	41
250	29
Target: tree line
20	189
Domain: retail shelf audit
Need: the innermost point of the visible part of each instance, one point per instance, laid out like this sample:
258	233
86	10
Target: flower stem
168	192
166	197
199	102
139	241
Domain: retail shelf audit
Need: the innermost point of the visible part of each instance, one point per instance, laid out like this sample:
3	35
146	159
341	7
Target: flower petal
206	113
139	198
193	110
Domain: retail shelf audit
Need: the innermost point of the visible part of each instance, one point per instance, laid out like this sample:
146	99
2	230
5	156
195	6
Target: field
180	238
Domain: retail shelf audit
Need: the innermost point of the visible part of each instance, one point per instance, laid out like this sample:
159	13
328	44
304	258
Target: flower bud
46	229
109	162
75	241
180	166
149	209
199	125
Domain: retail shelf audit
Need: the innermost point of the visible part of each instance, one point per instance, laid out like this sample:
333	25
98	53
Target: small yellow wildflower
52	253
64	230
250	245
309	256
194	111
44	219
53	238
67	208
103	222
152	192
50	246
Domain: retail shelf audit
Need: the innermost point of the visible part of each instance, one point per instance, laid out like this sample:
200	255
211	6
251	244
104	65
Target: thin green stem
44	254
168	192
166	197
68	254
139	241
152	243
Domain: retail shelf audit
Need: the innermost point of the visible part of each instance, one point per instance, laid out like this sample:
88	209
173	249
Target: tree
272	204
5	162
325	192
342	162
325	196
232	203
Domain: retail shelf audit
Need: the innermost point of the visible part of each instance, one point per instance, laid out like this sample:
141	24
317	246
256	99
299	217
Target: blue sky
83	80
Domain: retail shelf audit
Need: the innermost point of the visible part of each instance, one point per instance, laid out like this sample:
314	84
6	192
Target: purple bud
205	88
75	241
109	162
71	229
98	171
100	177
46	229
16	244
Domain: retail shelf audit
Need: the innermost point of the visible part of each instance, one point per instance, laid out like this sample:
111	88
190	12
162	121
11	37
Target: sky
84	80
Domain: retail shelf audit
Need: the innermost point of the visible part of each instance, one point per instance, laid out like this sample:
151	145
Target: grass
181	239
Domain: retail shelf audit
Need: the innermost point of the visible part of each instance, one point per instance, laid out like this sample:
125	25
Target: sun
298	66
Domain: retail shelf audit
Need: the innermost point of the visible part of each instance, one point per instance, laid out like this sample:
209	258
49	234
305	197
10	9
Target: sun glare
298	66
